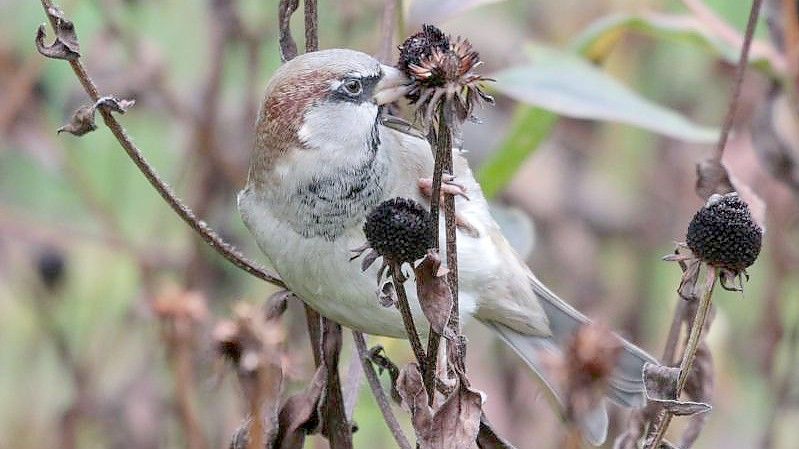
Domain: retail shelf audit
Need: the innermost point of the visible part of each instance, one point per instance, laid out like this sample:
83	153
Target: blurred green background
603	108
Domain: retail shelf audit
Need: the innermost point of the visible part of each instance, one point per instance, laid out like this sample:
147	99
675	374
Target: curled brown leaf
434	293
66	44
82	120
660	383
453	425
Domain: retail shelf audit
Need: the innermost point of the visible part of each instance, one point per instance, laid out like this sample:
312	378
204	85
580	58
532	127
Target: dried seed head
399	229
724	234
442	70
420	45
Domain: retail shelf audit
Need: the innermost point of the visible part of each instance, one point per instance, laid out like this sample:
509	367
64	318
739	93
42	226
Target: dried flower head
724	234
399	229
442	70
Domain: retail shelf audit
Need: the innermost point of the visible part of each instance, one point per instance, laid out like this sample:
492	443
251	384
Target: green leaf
599	38
568	85
530	127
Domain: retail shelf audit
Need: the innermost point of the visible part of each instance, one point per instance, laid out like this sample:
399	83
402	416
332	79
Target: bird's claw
448	186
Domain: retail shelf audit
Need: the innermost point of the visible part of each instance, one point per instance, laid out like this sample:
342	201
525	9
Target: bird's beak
392	86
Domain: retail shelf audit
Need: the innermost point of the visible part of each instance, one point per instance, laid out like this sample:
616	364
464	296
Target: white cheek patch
338	126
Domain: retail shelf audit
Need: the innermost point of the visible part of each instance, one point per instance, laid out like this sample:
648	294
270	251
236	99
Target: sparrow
324	156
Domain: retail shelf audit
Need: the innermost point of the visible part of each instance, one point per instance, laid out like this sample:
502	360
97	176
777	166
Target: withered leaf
383	363
660	383
712	177
487	438
299	415
66	41
387	295
454	425
114	104
434	293
82	120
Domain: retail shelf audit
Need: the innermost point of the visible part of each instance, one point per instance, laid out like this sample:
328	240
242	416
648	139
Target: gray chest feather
330	204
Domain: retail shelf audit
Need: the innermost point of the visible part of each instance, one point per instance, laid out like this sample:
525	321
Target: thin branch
407	317
288	47
740	70
689	355
187	215
311	26
380	395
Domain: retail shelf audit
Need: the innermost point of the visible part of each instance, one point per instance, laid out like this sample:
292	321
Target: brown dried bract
66	41
434	293
82	120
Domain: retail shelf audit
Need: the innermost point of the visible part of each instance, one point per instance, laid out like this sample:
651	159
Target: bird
324	156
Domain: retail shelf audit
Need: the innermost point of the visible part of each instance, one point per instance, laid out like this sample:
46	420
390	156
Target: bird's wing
490	271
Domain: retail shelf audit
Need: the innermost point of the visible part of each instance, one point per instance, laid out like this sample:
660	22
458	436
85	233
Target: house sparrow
323	159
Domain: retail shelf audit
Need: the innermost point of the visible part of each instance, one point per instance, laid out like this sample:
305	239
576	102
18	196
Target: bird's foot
448	187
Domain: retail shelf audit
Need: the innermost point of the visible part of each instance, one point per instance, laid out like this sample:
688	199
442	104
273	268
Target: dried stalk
380	395
689	354
407	317
740	70
187	215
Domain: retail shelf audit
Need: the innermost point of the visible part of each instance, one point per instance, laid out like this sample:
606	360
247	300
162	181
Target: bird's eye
353	87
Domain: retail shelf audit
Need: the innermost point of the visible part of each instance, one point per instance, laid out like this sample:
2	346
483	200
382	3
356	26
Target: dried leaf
457	422
454	425
661	387
434	294
299	415
712	177
387	295
410	387
383	363
66	40
488	439
82	120
114	104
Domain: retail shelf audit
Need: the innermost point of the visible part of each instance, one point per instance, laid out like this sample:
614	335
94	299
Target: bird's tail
626	385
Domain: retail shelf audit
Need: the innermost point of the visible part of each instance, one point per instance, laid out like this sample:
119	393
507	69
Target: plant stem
690	353
407	317
187	215
380	395
740	70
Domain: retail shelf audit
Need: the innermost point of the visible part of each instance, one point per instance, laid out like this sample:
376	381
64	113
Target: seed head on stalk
442	69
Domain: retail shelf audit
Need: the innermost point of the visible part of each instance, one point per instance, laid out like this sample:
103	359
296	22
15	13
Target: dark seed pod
400	230
724	234
420	45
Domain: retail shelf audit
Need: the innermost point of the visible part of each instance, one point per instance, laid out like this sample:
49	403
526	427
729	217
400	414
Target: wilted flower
399	229
724	235
442	69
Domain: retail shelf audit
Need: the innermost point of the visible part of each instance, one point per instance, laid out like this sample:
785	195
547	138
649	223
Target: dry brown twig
61	24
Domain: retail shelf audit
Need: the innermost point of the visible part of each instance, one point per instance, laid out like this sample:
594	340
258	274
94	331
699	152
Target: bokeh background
603	109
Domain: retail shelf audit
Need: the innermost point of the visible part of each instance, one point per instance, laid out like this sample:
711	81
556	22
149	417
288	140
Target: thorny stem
187	215
689	354
740	70
380	395
407	317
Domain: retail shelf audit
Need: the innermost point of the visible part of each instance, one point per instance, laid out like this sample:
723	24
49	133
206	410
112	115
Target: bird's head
324	103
